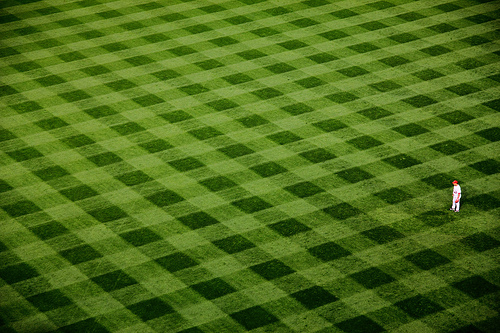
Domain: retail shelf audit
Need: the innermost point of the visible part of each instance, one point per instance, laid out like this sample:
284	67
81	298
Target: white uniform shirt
456	191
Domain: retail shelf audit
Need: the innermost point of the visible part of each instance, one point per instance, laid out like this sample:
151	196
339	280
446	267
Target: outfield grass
249	165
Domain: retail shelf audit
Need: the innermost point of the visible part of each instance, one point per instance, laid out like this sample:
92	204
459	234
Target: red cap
455	182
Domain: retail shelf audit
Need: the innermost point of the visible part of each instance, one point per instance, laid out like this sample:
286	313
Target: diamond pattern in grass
456	117
360	324
50	80
100	111
342	211
484	202
403	37
236	150
87	325
222	104
427	259
322	58
26	107
476	286
314	297
214	288
383	234
297	109
448	147
133	178
79	140
375	113
489	166
218	183
494	104
176	116
108	214
148	100
4	187
318	155
365	142
304	189
24	154
342	97
79	193
105	159
49	300
150	309
436	50
237	78
79	254
411	129
235	20
330	125
205	133
165	198
140	237
393	195
49	230
419	306
353	71
354	175
233	244
114	280
51	123
21	208
16	273
251	205
6	135
401	161
197	220
75	96
176	261
254	317
272	269
372	278
428	74
156	146
492	134
267	93
186	164
329	251
50	173
121	85
394	61
128	128
420	101
481	242
289	227
194	89
252	121
166	74
440	180
384	86
463	89
268	169
310	82
435	218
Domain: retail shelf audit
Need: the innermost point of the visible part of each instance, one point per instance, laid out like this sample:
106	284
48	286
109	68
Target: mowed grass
233	166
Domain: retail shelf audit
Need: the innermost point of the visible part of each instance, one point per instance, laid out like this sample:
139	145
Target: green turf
249	165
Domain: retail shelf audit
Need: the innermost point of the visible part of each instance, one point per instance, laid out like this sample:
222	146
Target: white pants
455	205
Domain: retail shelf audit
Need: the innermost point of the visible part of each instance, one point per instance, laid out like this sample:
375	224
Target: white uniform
457	193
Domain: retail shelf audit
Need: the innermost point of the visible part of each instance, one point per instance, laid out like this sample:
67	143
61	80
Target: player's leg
457	206
453	204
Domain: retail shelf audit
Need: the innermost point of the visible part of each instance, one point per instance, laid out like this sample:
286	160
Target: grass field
249	165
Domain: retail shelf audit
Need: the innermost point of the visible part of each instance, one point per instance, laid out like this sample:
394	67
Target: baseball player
456	196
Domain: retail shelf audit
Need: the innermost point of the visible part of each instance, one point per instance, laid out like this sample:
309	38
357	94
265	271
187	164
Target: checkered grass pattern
249	165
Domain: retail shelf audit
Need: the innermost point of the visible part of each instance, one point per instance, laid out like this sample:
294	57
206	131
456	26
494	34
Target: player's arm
458	197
